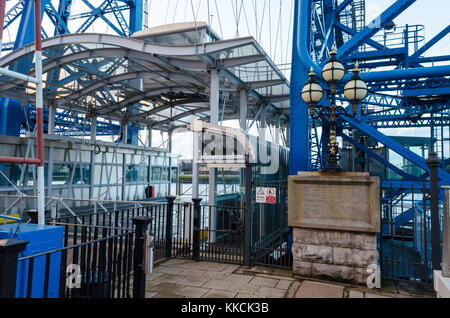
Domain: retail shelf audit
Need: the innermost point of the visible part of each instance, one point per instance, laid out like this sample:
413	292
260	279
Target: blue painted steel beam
299	117
377	157
342	6
362	36
431	42
136	9
352	32
395	146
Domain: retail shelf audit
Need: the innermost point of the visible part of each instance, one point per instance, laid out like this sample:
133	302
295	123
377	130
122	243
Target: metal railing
405	243
95	262
99	258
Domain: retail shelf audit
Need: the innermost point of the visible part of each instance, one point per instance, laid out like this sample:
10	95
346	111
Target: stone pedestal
335	218
441	285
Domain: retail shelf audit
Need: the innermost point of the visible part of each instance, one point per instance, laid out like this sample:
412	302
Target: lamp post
354	91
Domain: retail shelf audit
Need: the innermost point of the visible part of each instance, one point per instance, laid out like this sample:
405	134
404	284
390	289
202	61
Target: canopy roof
159	85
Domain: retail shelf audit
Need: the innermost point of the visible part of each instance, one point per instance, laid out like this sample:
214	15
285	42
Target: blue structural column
299	123
136	12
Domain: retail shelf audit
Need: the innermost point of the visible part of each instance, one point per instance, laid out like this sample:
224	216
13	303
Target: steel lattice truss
406	88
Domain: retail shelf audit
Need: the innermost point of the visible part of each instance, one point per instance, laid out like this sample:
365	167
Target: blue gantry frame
423	90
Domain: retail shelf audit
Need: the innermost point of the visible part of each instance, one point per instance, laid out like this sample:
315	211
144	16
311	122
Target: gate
202	232
405	240
271	237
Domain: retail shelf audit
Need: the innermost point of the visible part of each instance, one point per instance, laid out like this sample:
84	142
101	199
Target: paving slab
245	288
211	266
230	269
166	288
192	292
355	294
293	289
154	276
243	295
178	261
219	294
171	269
161	295
239	278
283	284
192	272
270	292
170	278
310	289
194	281
262	281
218	284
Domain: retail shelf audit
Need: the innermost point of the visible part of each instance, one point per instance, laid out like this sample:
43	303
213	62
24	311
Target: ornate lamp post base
333	168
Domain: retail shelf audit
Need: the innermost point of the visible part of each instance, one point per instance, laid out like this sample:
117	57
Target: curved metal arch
128	43
158	109
182	115
124	77
96	53
134	99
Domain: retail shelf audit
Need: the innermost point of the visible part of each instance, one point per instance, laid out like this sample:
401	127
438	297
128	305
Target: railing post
446	235
196	236
140	223
247	215
9	251
169	225
433	162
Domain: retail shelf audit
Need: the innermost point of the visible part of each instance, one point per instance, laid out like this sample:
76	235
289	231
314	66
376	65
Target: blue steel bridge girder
406	88
79	124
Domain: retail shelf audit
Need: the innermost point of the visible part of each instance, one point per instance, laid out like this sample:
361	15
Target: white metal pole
195	154
39	114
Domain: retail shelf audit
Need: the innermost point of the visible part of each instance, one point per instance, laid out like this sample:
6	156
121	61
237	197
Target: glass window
137	174
82	175
61	173
160	174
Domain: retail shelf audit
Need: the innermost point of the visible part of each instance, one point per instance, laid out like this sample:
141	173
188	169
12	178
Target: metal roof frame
101	68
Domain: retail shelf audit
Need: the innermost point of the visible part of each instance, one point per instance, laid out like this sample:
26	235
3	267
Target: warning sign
266	195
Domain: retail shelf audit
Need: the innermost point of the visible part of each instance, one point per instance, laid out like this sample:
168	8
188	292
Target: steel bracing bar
361	37
430	43
395	146
377	157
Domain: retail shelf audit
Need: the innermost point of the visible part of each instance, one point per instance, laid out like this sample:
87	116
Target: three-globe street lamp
354	91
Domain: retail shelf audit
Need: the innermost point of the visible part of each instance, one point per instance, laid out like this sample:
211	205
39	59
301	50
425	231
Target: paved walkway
180	278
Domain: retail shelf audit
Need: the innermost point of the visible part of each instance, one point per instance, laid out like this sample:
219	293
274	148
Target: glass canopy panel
247	50
255	72
275	90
